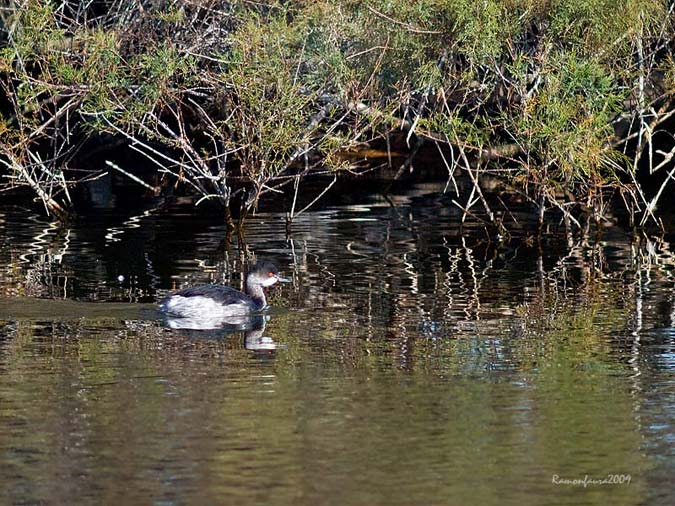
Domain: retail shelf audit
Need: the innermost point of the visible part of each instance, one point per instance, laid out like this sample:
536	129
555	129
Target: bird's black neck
256	292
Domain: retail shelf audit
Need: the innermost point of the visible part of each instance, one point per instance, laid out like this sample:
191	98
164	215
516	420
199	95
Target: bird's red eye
270	274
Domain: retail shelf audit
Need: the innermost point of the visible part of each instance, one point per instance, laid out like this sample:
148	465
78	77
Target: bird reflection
253	327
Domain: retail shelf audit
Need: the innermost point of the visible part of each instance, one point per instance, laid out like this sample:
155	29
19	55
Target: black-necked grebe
218	301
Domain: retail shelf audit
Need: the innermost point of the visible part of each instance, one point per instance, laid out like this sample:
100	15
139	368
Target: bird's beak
283	280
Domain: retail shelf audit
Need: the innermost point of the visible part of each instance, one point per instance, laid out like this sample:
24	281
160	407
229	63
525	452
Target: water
410	362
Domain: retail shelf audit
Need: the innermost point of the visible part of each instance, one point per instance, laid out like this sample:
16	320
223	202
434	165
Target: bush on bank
560	99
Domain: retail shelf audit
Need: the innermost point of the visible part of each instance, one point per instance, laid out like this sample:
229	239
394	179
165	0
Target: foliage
560	97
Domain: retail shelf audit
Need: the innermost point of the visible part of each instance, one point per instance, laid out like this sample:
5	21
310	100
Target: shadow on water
410	362
30	308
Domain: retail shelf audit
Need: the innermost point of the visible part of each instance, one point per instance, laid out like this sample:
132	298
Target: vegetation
560	99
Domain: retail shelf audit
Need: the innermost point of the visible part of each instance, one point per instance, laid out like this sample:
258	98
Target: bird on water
219	301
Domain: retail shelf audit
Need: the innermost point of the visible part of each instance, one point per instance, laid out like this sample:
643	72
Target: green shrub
264	84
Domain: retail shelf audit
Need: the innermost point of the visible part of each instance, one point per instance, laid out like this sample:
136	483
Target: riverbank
568	105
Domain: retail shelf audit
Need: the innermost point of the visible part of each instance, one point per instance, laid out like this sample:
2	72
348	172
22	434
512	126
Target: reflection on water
252	327
410	362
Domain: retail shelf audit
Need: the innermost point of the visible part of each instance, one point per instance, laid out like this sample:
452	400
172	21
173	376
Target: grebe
218	301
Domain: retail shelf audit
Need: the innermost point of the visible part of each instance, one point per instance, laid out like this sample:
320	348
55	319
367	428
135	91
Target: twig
330	185
50	204
407	26
130	176
652	203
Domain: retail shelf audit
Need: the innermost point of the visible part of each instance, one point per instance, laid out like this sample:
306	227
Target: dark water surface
409	363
